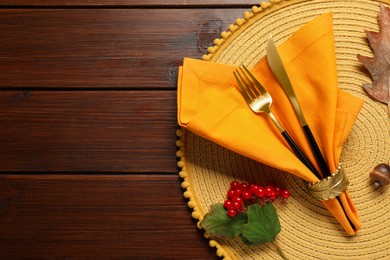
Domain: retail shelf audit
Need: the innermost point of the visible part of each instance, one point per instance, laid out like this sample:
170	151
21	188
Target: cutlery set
260	101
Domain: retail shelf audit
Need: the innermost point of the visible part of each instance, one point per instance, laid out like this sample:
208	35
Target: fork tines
251	88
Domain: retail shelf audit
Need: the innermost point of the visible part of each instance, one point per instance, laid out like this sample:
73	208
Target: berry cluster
241	195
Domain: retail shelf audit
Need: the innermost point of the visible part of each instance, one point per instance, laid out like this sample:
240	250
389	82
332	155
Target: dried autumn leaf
379	65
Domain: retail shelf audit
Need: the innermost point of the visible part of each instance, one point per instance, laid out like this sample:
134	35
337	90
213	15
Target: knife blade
276	64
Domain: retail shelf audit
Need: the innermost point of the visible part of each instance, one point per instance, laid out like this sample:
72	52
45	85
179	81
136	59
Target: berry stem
279	249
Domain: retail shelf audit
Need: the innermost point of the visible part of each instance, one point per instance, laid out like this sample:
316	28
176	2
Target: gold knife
277	67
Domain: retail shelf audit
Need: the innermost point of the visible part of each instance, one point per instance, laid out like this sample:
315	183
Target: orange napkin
210	106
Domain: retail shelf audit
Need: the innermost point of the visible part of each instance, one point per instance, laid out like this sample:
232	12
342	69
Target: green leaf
263	224
219	224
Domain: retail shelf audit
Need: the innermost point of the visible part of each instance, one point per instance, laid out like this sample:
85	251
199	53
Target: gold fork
260	101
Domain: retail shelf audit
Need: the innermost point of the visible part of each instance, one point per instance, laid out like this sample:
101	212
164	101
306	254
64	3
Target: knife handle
300	155
317	152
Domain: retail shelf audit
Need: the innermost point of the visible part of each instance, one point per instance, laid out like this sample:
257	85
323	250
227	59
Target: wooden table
87	126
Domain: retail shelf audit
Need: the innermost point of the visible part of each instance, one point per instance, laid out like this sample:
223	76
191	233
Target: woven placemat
309	231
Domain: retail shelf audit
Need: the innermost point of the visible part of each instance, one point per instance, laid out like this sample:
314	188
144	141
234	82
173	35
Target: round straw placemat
309	231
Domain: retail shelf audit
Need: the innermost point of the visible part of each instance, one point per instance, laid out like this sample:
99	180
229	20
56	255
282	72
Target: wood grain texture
104	48
97	216
130	3
87	126
116	131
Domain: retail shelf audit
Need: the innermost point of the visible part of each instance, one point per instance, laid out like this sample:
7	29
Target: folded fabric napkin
210	105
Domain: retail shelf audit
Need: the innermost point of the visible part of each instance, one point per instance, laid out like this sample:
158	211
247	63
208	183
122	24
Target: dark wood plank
130	3
104	48
70	216
116	131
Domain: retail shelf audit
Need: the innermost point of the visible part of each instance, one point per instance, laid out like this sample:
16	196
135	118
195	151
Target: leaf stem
279	249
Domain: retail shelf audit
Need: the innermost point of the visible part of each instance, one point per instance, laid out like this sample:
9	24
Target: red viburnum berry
259	192
234	185
228	204
231	194
244	186
285	194
273	195
237	199
253	187
237	205
246	195
232	212
268	191
238	192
